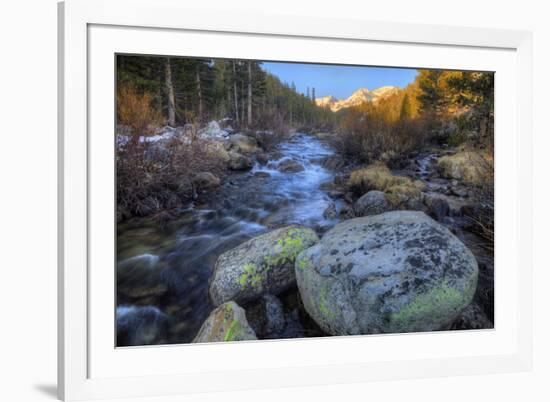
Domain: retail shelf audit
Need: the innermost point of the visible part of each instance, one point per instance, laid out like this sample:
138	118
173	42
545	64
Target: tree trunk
249	94
199	94
242	100
235	93
170	94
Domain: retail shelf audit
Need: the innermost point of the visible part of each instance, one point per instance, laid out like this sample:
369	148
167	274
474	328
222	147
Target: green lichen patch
232	332
252	276
303	263
323	305
438	305
288	247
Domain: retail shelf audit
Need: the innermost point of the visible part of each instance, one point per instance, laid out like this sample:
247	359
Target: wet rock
262	158
398	271
290	166
330	212
140	325
372	203
346	212
333	162
139	277
275	155
438	206
238	161
206	180
335	194
227	323
459	191
263	175
267	317
263	264
472	317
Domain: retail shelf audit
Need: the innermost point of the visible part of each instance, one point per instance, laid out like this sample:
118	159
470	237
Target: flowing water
177	259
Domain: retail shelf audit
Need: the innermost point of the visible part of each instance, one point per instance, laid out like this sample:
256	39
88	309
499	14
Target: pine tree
432	97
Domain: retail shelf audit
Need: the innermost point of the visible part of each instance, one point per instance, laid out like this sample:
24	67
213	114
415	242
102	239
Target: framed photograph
254	201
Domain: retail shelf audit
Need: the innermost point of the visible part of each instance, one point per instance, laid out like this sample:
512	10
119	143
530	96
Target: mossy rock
261	265
227	323
398	271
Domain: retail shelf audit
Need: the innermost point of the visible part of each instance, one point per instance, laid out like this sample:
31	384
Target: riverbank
301	182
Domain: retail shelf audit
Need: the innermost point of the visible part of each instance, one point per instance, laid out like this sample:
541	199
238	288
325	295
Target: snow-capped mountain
326	101
361	95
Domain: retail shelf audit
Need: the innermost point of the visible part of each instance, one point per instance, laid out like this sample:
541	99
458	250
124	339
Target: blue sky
338	81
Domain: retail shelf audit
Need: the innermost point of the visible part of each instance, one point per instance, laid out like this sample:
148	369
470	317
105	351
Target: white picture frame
89	367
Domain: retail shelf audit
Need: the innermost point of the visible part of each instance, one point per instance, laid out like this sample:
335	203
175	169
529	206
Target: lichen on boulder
398	271
263	264
227	323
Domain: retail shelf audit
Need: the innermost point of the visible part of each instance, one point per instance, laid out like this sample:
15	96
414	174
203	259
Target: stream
181	255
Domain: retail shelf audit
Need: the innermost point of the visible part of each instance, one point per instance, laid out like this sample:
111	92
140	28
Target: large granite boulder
263	264
399	271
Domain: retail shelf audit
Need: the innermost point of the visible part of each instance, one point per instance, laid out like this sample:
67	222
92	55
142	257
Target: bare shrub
370	138
155	177
278	130
482	216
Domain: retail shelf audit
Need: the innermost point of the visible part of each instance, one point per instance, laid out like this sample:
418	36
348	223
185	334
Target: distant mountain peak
359	96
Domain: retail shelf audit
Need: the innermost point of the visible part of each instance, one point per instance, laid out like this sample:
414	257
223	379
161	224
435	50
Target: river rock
205	180
267	317
398	271
346	212
263	264
139	276
290	166
140	325
262	158
372	203
243	144
437	204
226	323
330	211
401	191
238	161
263	175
